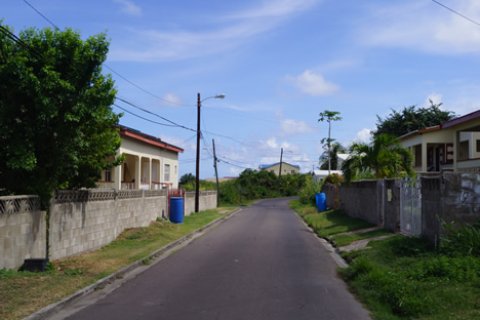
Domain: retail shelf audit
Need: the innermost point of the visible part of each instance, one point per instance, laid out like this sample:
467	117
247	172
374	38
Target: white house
451	146
287	168
149	163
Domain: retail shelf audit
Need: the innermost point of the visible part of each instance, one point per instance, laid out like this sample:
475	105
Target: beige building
451	146
149	163
287	168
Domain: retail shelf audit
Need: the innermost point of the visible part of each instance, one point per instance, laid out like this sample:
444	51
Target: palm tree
335	149
383	158
329	116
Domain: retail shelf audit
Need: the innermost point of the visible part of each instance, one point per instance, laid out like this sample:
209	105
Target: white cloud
129	7
422	25
364	135
434	97
313	84
290	126
172	99
234	30
273	9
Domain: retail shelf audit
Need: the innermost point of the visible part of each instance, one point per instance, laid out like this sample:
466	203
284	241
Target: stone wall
81	223
22	230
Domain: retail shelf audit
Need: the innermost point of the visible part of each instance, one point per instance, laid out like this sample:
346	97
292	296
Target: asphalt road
263	263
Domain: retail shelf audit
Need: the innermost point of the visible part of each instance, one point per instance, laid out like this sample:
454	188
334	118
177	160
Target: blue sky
279	63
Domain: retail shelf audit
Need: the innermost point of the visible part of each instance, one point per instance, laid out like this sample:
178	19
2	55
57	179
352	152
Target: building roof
324	173
461	120
343	156
147	139
420	131
266	166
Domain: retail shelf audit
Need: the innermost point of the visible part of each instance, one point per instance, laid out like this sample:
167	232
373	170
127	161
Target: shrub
307	192
461	241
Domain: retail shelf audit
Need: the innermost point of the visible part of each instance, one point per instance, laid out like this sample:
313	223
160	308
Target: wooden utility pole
197	167
281	156
215	160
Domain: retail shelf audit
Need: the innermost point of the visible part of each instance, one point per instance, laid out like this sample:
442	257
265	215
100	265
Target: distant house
451	146
319	175
150	163
287	168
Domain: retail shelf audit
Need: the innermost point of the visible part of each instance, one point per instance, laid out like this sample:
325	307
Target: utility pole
281	156
197	167
215	160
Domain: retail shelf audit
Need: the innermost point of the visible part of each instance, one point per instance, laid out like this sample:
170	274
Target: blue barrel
176	209
321	201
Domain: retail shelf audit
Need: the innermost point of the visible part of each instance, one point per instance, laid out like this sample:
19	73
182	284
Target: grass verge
328	222
22	293
341	240
402	278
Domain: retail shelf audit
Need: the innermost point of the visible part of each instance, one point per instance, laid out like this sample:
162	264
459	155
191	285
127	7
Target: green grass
402	278
329	222
22	293
341	240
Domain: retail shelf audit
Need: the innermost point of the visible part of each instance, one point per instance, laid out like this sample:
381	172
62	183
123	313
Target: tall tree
57	128
329	116
411	119
335	149
384	157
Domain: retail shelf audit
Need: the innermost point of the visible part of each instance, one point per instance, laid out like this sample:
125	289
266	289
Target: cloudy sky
279	63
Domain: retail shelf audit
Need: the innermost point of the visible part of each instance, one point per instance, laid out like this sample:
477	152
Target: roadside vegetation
22	293
251	185
405	278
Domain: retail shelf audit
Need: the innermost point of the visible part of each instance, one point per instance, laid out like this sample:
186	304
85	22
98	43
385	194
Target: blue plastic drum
176	209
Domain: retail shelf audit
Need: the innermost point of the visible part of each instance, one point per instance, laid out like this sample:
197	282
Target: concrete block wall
392	205
208	200
362	200
22	233
77	227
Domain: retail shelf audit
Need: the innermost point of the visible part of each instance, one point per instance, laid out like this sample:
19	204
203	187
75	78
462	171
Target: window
418	155
478	145
107	175
166	173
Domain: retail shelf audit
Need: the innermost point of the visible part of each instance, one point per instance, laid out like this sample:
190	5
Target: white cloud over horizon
313	84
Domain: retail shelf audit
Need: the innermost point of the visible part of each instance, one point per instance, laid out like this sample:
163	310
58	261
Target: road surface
263	263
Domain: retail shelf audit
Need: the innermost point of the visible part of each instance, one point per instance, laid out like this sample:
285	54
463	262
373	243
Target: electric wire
155	114
456	12
143	118
41	14
106	65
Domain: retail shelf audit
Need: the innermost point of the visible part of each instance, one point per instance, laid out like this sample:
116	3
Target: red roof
148	139
460	120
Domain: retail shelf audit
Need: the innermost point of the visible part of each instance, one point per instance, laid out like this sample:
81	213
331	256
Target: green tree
57	128
329	116
384	157
187	178
411	119
335	149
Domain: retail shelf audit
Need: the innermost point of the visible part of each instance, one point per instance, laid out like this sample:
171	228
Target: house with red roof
149	163
451	146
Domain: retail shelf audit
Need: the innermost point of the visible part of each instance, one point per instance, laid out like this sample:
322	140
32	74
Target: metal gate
411	207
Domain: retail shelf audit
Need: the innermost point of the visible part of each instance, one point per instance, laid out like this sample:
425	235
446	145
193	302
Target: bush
461	241
307	192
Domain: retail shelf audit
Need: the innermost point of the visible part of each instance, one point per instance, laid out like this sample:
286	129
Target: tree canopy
384	157
57	128
411	119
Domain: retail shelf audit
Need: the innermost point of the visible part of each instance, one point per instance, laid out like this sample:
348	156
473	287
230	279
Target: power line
106	65
143	118
19	41
457	13
155	114
42	15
